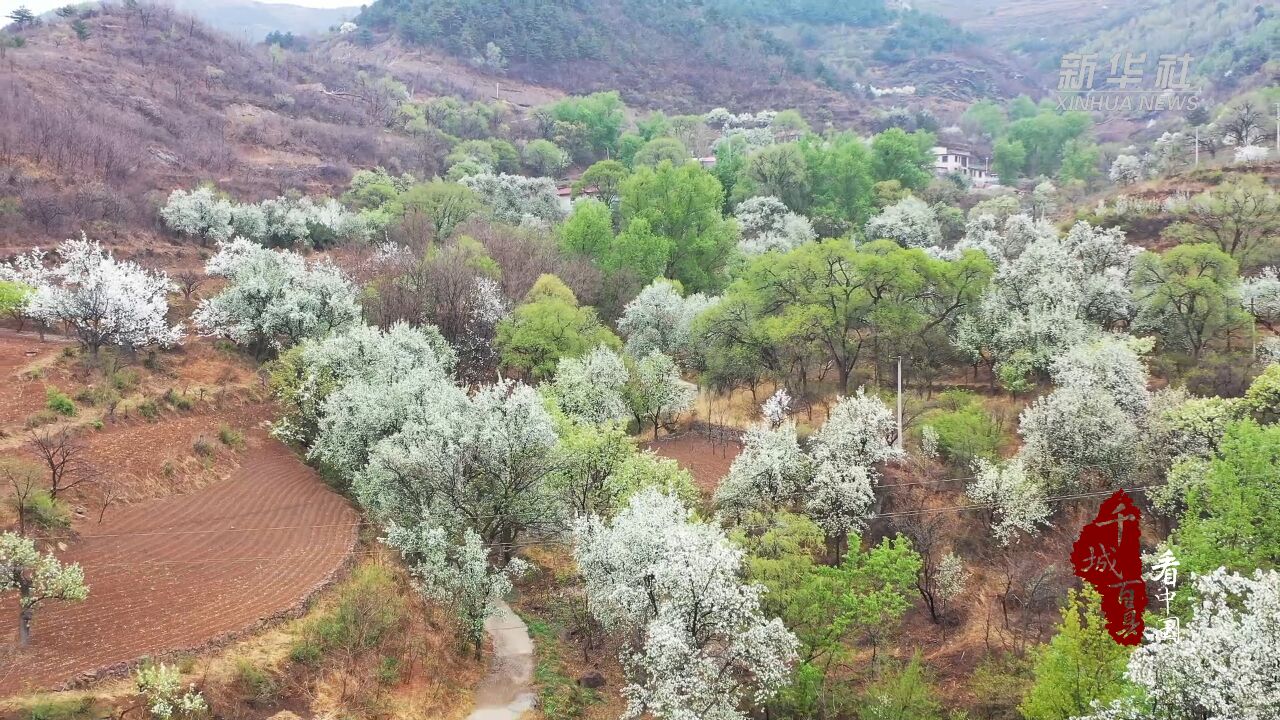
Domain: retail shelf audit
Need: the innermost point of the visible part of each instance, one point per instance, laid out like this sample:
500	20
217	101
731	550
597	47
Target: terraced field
183	571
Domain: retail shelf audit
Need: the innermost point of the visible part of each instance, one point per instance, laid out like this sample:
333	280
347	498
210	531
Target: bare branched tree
63	456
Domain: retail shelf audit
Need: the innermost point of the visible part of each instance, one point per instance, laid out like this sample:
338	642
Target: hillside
821	58
252	21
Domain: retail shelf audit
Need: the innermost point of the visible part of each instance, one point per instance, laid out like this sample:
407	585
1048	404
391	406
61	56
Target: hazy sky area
40	6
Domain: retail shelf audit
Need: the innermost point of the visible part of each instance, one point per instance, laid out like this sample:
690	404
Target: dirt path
505	694
179	572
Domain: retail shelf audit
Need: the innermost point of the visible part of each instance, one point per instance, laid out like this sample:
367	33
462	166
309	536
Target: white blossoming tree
658	318
1112	363
481	462
303	378
1221	664
700	646
776	409
1017	499
590	389
37	578
833	482
103	301
456	573
1126	170
1260	296
274	298
910	222
516	199
768	225
656	393
1077	433
199	213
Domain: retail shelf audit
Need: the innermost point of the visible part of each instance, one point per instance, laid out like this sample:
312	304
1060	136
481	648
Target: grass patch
230	437
41	418
259	687
71	709
560	697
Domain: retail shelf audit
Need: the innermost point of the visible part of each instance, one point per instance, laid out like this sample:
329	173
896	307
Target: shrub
966	433
388	672
230	437
149	409
46	512
258	685
125	379
176	401
368	610
58	402
98	396
203	446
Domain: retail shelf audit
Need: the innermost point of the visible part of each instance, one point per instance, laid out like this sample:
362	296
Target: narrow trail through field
178	572
505	693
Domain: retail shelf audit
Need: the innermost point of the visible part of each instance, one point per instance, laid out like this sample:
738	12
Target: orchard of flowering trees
495	382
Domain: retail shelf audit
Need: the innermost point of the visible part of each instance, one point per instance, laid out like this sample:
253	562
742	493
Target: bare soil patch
183	572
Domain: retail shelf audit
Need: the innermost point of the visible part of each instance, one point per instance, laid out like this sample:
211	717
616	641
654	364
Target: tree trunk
24	626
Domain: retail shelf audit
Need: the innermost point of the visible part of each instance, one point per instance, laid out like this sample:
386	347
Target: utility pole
900	442
1253	330
1278	128
1197	146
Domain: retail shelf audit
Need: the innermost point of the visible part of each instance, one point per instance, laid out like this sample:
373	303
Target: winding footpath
505	693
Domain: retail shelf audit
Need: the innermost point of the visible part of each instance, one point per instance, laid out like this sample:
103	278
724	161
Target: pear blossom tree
832	482
1126	170
656	393
274	298
516	199
1221	664
658	318
199	212
103	301
768	225
1260	296
910	222
590	389
1017	499
481	462
1078	433
698	645
1112	363
304	377
457	573
37	578
1055	294
776	409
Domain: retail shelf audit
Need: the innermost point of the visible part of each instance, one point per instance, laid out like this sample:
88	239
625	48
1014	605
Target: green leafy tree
841	182
680	206
589	230
984	117
1188	295
1241	217
659	149
543	157
1079	665
445	204
832	610
779	171
547	326
1009	160
902	694
603	179
902	156
1233	512
598	117
81	29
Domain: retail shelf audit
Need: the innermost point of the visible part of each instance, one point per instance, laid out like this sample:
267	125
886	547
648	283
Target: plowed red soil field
708	461
180	572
